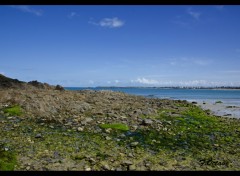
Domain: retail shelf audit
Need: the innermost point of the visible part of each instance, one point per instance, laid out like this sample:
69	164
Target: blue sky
141	45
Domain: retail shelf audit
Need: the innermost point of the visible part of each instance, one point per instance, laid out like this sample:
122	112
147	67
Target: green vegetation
192	140
117	126
218	102
7	160
13	111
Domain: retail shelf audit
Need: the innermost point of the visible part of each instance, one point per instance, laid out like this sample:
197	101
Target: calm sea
230	97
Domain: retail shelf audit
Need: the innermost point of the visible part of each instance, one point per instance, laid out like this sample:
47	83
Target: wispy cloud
109	22
196	15
28	9
145	81
72	14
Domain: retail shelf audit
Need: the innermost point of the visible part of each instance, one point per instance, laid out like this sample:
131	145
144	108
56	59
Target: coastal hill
7	83
46	128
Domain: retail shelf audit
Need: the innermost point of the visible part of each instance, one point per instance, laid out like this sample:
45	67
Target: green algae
117	126
13	111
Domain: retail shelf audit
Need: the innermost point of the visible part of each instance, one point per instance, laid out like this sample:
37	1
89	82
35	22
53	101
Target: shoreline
220	109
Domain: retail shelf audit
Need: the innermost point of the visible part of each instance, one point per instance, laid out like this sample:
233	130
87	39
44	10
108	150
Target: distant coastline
174	87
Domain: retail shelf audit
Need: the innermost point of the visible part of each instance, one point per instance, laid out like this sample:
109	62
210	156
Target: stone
134	144
108	138
132	167
106	167
87	169
80	129
127	162
147	122
58	87
38	135
108	130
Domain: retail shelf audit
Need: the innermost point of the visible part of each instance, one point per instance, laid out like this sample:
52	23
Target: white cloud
194	14
116	81
145	81
28	9
108	22
72	14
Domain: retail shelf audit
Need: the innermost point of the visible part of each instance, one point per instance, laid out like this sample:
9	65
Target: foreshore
220	109
54	129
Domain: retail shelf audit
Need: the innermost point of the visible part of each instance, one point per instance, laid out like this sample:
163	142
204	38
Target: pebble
28	168
87	169
133	144
108	130
108	138
38	136
132	167
147	122
80	129
127	162
106	167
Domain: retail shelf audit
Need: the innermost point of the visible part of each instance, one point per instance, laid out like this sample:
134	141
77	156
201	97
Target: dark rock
58	87
147	122
38	136
194	102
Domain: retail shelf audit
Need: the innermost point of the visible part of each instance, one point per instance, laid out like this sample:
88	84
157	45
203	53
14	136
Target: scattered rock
108	138
58	87
106	167
80	129
38	136
147	122
127	162
132	167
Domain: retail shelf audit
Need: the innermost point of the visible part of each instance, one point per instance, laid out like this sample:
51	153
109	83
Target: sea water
227	96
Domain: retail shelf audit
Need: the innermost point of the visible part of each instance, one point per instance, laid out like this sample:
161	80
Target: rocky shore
45	127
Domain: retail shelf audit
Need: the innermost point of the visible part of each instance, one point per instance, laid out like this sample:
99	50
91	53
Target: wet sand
220	109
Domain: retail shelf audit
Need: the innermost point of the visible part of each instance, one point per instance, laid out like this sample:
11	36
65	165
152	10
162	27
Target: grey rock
118	169
38	136
147	122
132	167
106	167
86	120
80	129
127	162
134	144
108	138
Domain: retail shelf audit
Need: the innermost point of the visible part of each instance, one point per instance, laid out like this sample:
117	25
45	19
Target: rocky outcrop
9	83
